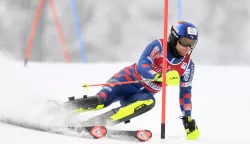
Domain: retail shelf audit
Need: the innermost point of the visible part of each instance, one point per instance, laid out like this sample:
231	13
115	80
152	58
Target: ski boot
191	128
83	104
66	113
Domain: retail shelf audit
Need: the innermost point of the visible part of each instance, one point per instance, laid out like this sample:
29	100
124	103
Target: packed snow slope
220	102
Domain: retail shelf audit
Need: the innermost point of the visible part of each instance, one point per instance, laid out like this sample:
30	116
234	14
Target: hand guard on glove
172	78
190	127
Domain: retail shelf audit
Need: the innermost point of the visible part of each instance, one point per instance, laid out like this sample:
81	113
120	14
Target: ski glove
172	78
190	127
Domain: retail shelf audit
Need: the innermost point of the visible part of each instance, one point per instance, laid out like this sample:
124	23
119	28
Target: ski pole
86	85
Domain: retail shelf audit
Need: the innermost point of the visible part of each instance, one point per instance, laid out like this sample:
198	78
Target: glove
190	127
172	78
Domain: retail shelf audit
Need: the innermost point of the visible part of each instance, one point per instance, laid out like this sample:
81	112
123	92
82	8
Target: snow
220	102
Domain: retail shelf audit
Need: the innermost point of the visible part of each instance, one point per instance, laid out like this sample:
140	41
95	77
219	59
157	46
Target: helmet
183	29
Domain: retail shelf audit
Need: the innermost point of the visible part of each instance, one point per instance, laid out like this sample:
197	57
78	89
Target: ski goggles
183	41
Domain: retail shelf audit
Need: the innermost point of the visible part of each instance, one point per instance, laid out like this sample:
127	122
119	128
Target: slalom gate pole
60	32
164	70
78	30
179	6
33	31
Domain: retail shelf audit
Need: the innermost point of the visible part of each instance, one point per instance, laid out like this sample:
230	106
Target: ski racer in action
138	98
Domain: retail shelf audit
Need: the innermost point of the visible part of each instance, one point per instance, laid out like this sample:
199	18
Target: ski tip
144	135
98	132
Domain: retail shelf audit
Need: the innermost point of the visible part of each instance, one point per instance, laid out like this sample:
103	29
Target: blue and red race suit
148	65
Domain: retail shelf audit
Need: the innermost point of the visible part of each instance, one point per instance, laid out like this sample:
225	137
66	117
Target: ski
130	135
96	132
99	132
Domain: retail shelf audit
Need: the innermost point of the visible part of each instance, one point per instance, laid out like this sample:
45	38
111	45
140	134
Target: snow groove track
38	127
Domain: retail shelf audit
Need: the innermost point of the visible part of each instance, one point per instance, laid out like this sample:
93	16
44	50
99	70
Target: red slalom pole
60	31
164	70
32	34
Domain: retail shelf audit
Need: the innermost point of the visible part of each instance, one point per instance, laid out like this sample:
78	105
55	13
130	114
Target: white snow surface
220	103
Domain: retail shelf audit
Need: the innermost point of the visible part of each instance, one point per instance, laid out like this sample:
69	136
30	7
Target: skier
138	98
